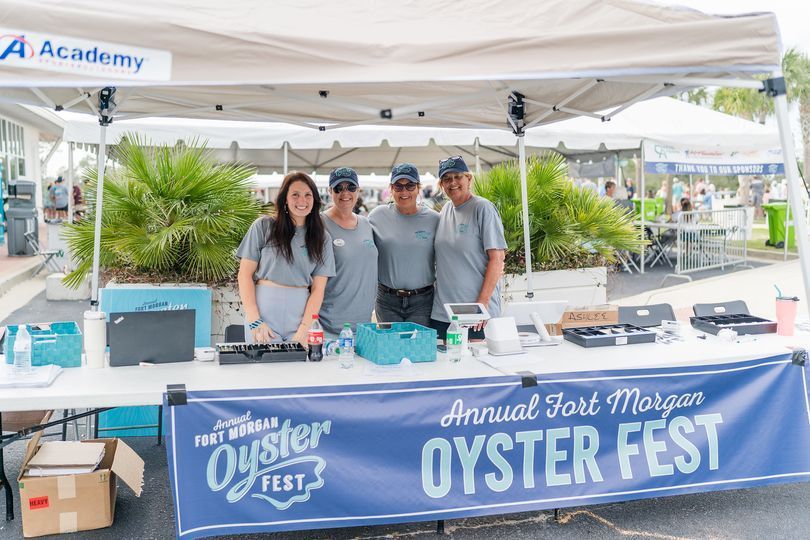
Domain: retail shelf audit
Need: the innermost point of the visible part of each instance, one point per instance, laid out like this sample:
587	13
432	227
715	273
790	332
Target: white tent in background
495	64
377	148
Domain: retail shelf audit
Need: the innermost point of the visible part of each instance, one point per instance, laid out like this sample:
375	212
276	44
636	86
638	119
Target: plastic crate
57	343
389	343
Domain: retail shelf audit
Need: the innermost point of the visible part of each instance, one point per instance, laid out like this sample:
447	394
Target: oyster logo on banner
264	458
49	52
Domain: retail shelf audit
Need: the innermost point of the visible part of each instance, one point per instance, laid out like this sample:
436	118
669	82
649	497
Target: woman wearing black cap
350	295
404	232
470	248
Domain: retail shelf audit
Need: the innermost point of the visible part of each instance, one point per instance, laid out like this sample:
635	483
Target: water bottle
22	351
315	340
346	347
453	340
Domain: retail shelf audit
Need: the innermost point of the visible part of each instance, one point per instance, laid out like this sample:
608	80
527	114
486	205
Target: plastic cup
786	315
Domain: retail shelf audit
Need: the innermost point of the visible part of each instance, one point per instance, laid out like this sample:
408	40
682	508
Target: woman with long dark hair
285	262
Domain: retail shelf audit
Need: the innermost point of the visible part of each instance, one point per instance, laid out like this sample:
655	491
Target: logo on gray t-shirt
423	235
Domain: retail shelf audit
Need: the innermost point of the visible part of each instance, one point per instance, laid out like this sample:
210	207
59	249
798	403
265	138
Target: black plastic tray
608	335
740	323
243	353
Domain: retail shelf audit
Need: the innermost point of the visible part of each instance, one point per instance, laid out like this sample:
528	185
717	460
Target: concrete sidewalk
755	286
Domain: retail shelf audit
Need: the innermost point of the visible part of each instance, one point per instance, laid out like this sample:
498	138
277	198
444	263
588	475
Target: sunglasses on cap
451	158
340	188
410	186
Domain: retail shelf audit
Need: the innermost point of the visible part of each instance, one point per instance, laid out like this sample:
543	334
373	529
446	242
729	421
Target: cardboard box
80	502
575	317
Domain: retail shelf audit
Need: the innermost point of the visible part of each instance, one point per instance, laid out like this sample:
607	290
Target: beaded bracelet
255	324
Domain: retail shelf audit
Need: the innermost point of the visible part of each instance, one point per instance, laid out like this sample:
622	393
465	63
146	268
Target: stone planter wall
226	309
580	287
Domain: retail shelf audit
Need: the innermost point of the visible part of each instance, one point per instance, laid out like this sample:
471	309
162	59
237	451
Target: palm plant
570	227
796	67
168	212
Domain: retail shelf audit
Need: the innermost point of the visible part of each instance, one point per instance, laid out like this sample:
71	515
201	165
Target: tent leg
477	159
794	189
106	105
285	150
524	201
643	214
70	182
102	158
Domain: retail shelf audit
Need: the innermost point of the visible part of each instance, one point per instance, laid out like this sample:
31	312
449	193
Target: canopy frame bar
551	110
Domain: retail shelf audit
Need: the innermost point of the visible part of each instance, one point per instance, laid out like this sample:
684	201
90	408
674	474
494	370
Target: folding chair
658	248
47	255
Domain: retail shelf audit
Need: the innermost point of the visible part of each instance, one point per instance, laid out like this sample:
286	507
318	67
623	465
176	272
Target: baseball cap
343	174
407	171
452	164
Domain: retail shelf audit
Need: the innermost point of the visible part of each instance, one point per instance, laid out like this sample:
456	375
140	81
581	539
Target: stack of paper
55	458
38	377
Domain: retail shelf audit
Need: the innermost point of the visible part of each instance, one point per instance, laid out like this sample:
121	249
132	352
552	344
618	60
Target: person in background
610	189
705	199
631	189
470	248
60	198
349	296
757	195
404	232
47	203
677	192
359	206
285	262
685	205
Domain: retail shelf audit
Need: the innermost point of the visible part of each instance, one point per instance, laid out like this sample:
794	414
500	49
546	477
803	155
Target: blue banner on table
275	460
124	298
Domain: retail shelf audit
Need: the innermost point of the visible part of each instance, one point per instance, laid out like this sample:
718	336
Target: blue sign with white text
304	458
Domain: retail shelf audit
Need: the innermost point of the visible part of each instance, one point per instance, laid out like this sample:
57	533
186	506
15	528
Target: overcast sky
793	15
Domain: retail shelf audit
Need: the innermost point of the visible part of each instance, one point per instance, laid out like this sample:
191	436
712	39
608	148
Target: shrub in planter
170	214
570	227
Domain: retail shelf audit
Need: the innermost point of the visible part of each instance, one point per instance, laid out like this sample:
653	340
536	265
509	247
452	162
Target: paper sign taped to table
575	317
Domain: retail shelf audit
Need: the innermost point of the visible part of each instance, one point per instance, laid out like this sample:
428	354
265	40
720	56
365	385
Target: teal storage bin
389	343
58	343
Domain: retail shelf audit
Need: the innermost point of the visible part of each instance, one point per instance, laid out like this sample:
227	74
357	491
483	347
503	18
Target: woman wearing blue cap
350	295
404	232
470	248
285	263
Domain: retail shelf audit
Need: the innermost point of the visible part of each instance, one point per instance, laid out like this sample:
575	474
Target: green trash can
652	208
776	225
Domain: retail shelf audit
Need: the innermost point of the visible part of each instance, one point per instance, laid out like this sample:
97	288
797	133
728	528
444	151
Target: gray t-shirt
405	243
350	295
272	264
464	235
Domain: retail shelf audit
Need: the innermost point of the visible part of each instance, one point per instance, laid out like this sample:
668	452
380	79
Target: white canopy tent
501	64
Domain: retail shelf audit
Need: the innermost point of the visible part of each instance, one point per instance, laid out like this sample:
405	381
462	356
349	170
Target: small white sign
621	340
339	242
51	52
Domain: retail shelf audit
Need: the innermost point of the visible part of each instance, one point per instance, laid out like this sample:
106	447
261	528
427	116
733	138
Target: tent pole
643	197
285	149
794	185
102	158
105	106
787	227
70	182
524	201
477	160
691	190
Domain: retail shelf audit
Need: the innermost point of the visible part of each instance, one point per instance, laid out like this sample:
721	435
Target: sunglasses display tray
244	353
740	323
609	334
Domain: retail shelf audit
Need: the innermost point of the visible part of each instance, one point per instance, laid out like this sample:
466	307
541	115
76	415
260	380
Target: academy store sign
49	52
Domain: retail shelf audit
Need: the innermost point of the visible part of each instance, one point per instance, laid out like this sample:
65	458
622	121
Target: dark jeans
393	308
441	330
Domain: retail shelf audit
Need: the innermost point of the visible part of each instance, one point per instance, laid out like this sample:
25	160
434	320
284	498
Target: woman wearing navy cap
285	263
404	232
470	248
350	295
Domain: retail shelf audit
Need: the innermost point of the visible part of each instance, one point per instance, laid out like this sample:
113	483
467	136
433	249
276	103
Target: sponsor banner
664	158
50	52
304	458
124	298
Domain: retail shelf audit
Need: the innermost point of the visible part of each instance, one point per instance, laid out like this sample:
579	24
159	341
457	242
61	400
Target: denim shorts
393	308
